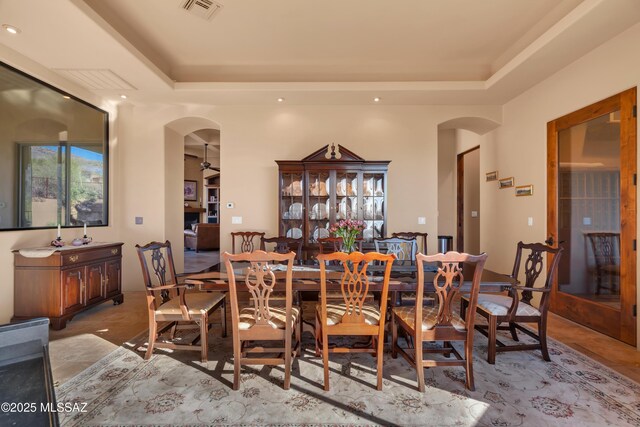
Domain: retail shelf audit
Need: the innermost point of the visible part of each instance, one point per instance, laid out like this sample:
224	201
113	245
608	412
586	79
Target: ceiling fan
206	165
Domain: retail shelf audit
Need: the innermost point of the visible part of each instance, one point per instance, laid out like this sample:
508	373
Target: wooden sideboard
66	282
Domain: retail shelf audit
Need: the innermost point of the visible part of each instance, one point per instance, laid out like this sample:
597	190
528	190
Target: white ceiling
310	52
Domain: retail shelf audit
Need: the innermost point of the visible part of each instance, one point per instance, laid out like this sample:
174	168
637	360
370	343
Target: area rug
521	389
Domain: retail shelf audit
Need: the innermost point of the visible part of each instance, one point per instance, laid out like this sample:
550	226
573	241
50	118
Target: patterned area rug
519	390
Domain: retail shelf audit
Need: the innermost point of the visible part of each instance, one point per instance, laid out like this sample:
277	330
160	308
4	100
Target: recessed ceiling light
376	99
280	99
66	96
123	96
11	29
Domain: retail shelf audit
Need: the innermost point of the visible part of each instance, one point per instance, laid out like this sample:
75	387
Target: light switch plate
236	220
422	220
474	214
139	220
586	220
530	221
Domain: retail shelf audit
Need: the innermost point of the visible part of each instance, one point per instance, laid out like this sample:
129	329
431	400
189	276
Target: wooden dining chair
440	322
419	237
405	250
516	307
606	254
355	314
265	320
249	241
283	245
169	301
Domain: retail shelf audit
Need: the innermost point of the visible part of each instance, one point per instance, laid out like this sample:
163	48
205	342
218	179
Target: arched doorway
459	173
186	185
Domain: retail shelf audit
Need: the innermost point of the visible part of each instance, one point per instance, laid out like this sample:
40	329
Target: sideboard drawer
81	257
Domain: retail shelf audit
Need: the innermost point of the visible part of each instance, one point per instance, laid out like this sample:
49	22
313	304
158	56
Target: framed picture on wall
524	190
191	190
492	176
505	183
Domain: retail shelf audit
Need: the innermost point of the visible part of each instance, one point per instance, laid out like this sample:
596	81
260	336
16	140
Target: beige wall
472	202
518	147
447	212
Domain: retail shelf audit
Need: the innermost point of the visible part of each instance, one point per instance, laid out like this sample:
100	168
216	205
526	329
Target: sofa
203	236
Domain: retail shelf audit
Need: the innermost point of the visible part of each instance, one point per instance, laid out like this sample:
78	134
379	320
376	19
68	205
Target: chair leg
468	350
492	330
223	317
380	353
236	364
172	334
419	367
514	334
542	334
394	337
153	333
287	362
318	332
204	337
325	359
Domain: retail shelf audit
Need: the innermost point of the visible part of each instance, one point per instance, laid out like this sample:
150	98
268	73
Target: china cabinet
327	186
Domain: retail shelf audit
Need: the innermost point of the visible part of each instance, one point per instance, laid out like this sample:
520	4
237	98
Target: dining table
307	278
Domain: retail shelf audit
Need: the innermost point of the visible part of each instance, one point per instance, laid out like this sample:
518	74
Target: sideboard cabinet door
95	282
112	280
73	289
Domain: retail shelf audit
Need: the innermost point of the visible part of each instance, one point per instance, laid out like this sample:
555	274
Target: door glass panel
589	209
291	216
373	205
319	192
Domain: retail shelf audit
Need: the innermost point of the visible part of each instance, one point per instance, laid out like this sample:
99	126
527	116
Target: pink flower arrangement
348	229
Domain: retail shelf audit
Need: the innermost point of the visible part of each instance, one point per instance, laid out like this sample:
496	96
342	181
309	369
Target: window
53	156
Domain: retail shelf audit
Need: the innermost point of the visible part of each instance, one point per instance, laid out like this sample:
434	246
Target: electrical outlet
422	220
236	220
530	221
474	214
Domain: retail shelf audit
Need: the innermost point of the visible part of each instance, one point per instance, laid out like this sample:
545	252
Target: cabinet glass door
319	196
291	205
373	211
347	193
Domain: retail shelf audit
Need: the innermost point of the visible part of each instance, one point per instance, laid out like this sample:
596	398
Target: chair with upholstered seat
355	315
168	301
249	241
265	320
440	322
516	308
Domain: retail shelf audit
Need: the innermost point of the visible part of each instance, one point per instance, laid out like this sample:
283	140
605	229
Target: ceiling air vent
205	9
96	79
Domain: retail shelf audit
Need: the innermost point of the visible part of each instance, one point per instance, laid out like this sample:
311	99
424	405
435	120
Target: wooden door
95	282
112	278
591	212
73	297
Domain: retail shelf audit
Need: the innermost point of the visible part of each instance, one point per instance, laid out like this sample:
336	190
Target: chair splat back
162	272
414	235
404	249
447	283
260	281
283	245
533	267
249	241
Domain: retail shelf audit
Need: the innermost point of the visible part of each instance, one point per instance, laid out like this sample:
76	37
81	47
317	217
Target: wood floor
95	333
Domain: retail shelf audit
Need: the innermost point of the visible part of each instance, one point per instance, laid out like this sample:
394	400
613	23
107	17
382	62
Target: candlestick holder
86	240
58	243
